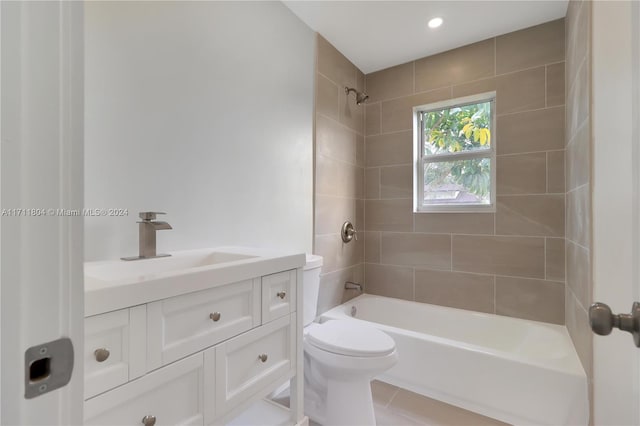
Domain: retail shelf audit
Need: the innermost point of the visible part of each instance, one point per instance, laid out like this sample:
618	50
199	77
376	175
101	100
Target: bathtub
517	371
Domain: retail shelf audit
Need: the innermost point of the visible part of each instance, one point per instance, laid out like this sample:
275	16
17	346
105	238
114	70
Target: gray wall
203	110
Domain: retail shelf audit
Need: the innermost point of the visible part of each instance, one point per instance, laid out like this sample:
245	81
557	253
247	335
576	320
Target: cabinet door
278	295
114	349
186	324
250	363
172	395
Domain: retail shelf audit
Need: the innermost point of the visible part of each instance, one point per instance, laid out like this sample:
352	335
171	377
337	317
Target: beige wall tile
579	97
579	216
555	269
351	114
372	183
531	131
534	215
396	182
458	223
530	47
455	289
555	172
475	87
397	114
390	149
431	412
555	84
390	281
389	215
331	212
335	177
372	118
327	98
332	292
578	36
467	63
372	247
390	83
520	91
512	256
359	222
577	320
360	80
522	174
412	249
336	254
579	158
360	160
333	65
536	300
336	141
578	273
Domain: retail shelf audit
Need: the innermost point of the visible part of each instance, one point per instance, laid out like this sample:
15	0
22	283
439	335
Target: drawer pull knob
281	294
101	354
149	420
214	316
263	357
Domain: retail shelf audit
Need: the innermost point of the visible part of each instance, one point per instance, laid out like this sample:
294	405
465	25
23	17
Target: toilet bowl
340	360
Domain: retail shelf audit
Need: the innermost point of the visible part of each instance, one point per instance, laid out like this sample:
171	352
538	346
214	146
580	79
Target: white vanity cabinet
198	358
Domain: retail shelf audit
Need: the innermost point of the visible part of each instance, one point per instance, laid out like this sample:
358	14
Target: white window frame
419	157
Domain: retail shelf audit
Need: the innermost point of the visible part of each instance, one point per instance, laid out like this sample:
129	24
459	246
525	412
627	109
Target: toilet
341	357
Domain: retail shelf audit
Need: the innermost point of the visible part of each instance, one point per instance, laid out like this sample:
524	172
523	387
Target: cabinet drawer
278	295
114	349
241	372
186	324
173	395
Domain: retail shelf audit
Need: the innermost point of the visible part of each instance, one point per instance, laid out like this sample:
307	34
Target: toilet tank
311	287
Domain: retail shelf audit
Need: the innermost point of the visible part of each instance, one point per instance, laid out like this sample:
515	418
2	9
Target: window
455	155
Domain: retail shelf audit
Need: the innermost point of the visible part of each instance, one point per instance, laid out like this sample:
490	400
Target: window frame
419	158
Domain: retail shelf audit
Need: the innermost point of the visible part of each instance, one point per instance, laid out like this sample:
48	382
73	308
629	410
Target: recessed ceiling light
435	22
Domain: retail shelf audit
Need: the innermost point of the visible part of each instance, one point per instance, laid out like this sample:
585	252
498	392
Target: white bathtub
518	371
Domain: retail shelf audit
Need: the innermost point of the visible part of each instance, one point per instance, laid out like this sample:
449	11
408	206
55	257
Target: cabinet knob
149	420
214	316
101	354
263	357
281	294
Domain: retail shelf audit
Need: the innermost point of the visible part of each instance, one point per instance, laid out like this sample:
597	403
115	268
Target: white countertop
117	284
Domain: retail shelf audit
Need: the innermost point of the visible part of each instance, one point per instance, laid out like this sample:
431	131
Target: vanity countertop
116	284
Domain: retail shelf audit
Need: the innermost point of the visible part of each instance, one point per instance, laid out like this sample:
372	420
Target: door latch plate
47	367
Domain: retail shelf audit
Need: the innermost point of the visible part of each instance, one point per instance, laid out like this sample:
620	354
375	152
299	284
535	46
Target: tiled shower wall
339	173
511	262
579	293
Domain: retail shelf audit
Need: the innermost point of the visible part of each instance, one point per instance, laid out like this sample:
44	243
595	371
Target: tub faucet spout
350	285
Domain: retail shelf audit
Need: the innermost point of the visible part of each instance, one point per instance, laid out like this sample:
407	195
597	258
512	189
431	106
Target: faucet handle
149	215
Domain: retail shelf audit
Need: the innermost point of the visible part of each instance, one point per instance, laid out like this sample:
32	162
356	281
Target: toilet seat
345	337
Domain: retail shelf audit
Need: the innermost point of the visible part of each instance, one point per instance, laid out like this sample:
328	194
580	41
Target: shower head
361	97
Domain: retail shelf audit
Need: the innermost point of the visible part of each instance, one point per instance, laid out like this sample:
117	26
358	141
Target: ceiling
378	34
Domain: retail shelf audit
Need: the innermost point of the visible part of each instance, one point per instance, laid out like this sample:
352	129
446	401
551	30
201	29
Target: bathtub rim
573	365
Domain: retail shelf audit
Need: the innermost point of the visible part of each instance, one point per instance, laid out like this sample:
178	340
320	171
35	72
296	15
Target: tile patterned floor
399	407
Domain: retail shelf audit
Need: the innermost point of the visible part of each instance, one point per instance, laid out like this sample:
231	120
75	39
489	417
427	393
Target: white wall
202	110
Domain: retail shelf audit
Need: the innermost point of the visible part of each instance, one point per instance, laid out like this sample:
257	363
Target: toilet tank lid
313	261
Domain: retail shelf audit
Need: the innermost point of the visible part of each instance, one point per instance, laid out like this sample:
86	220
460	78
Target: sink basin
116	284
149	268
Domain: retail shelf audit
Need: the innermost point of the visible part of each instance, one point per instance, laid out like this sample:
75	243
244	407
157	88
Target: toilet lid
345	337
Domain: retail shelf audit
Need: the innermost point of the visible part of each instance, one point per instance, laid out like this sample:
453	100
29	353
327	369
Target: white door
616	204
41	169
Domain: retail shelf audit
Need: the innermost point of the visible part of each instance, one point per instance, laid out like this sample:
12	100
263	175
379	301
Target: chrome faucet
147	236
